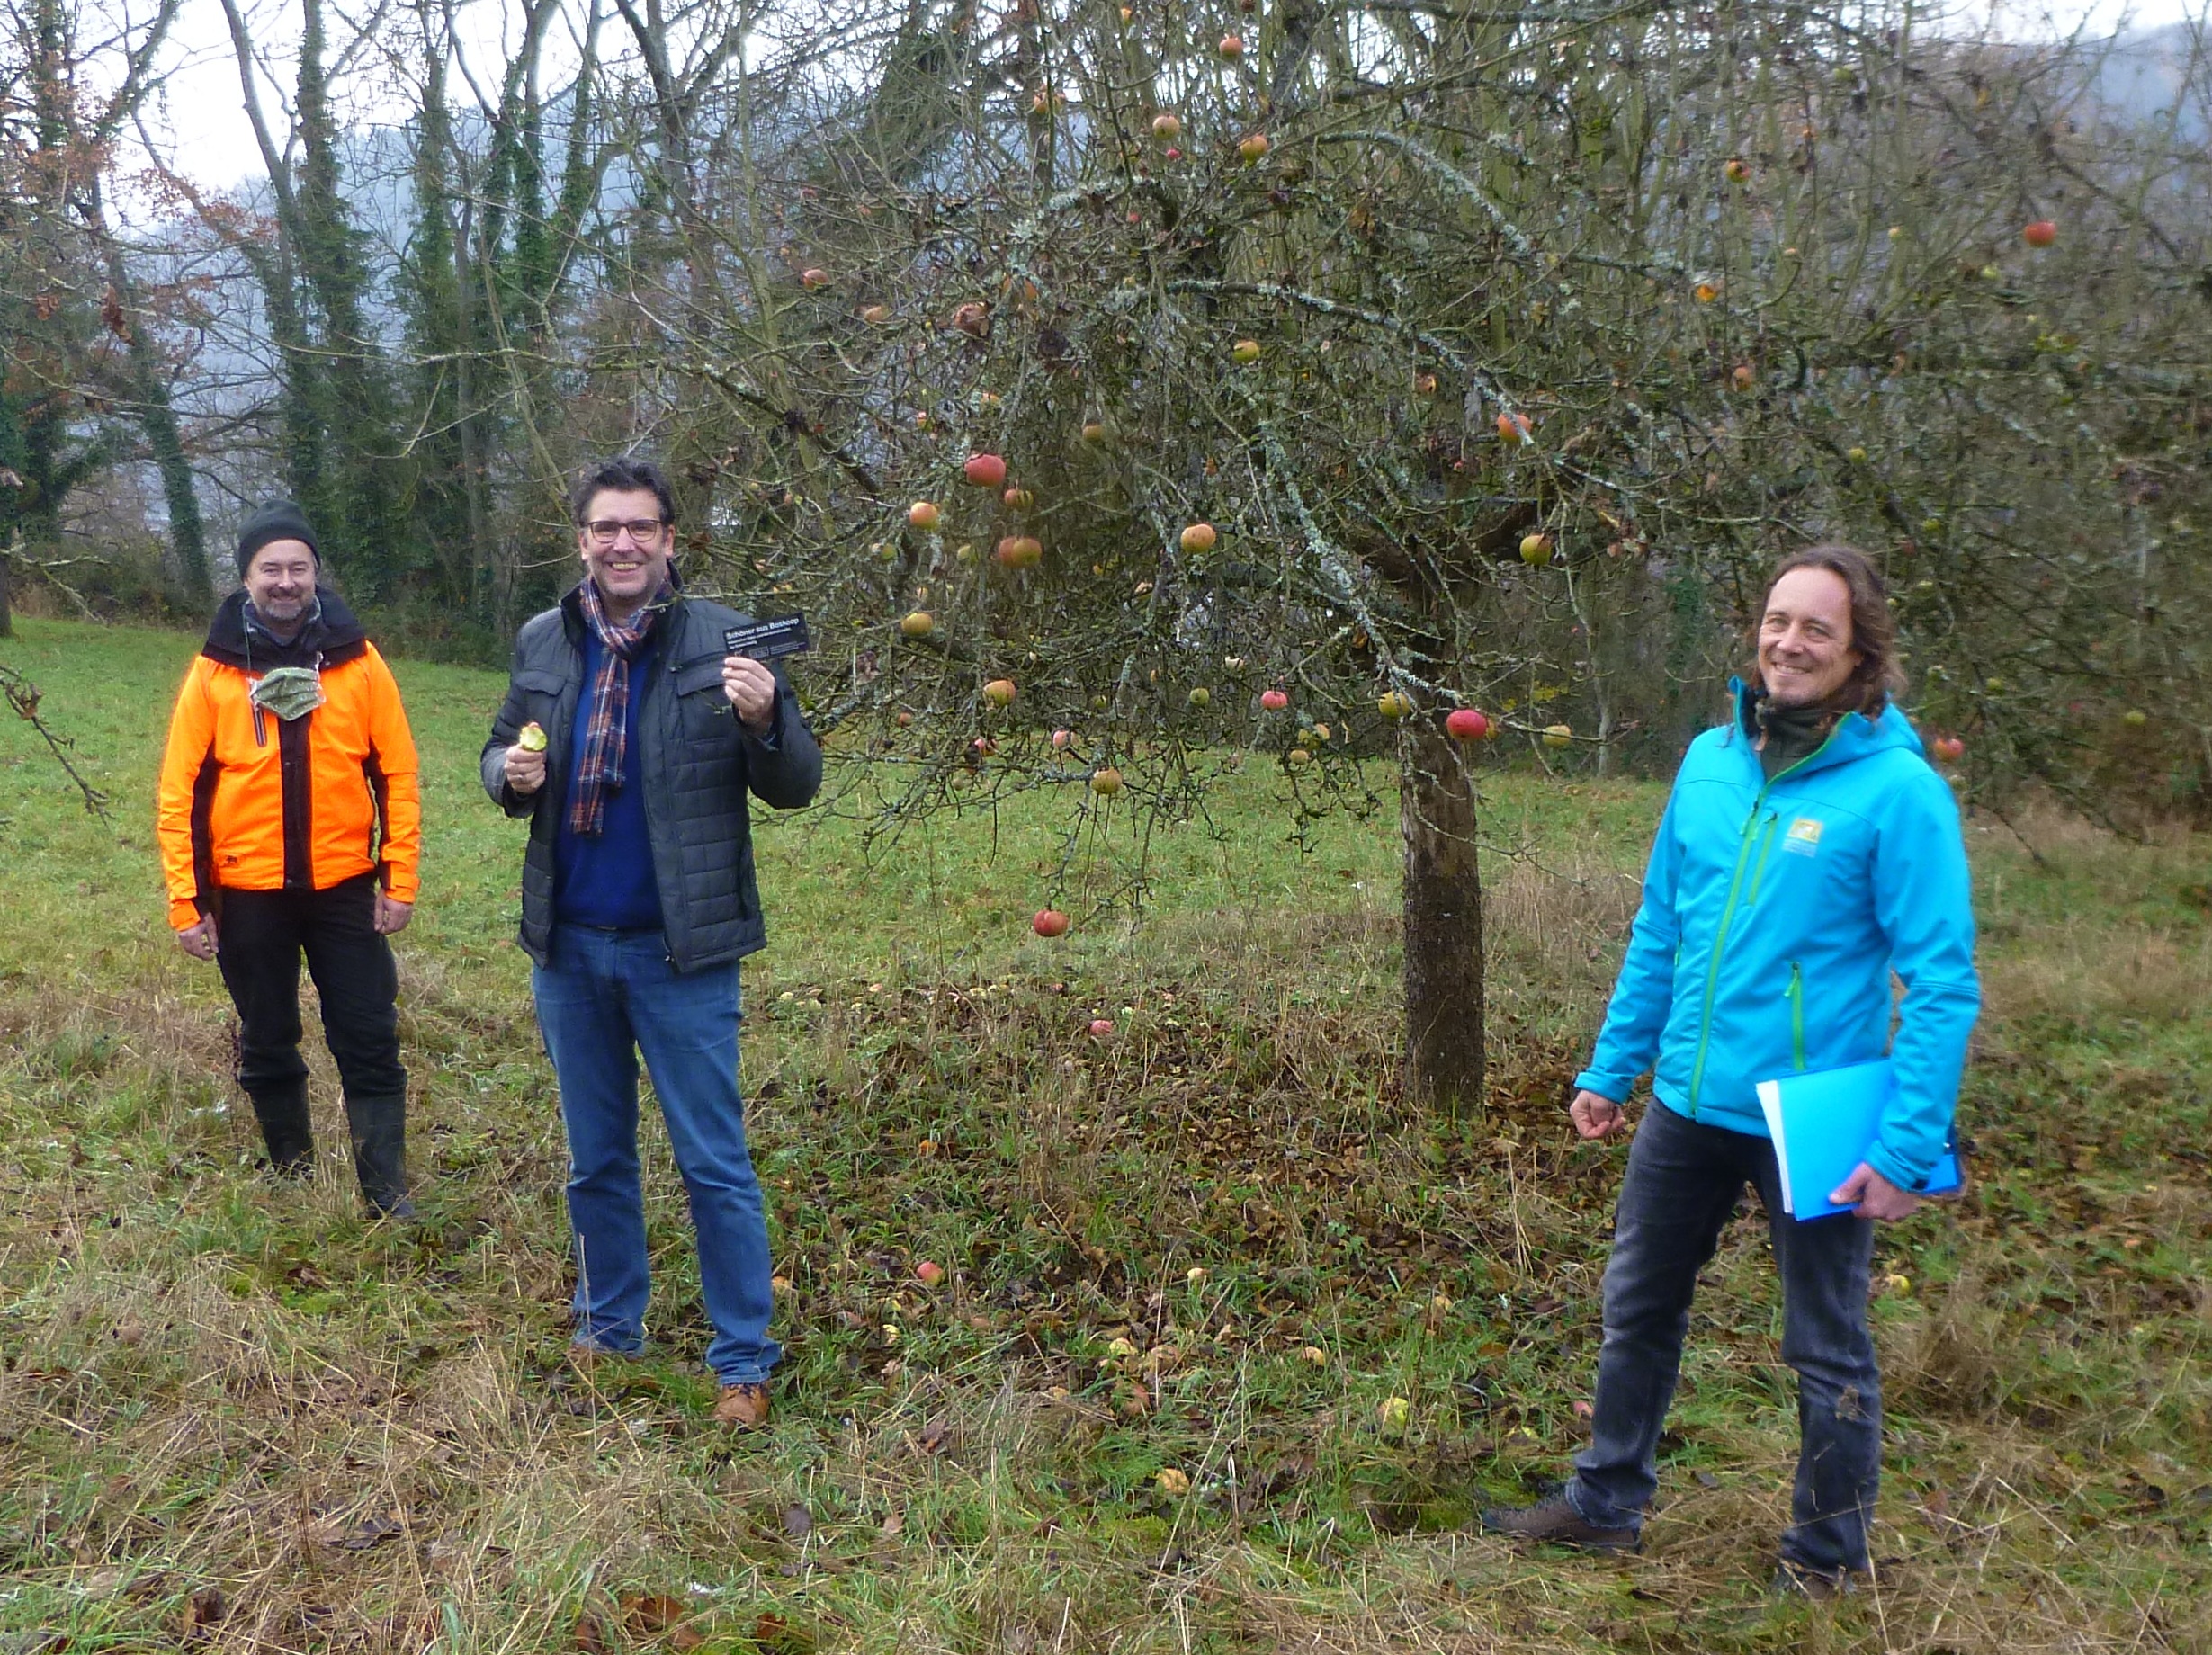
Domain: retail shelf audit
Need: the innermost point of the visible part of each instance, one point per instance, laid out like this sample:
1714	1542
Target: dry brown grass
238	1386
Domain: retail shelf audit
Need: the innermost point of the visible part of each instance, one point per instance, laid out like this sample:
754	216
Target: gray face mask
289	692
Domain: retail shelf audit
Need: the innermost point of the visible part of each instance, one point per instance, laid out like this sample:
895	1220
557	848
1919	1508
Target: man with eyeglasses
630	739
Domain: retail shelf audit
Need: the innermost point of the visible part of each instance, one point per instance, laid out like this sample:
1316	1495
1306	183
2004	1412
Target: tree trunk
1442	924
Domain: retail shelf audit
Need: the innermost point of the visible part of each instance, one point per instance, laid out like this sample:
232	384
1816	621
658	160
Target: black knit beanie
277	520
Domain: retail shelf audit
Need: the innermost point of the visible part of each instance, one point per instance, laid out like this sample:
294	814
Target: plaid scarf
599	767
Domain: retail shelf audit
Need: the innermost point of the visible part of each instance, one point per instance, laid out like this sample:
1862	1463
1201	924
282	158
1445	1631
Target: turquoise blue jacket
1774	915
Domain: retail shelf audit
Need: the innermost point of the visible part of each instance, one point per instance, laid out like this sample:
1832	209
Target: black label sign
768	640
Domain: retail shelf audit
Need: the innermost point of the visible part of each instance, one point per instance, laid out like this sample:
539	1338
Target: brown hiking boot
1556	1522
743	1408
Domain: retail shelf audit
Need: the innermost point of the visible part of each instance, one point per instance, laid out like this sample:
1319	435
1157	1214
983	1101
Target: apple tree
1221	381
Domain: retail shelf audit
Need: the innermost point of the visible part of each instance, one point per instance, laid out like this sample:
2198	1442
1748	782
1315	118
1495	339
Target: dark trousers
260	937
1683	1182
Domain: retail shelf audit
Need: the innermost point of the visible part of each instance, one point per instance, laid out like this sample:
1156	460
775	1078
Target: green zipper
1766	849
1796	1016
1713	969
1728	916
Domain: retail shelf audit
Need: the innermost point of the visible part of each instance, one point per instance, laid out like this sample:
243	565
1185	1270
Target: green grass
1214	1245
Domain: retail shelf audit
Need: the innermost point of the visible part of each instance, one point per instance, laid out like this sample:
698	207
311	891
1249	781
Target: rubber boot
380	1133
286	1129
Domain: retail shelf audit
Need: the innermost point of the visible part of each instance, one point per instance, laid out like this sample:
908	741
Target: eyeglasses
605	531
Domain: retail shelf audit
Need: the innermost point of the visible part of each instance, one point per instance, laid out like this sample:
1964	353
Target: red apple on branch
986	470
1049	922
1466	724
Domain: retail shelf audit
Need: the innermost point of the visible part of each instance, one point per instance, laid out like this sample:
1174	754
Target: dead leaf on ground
649	1614
772	1634
204	1609
798	1521
371	1532
934	1435
591	1634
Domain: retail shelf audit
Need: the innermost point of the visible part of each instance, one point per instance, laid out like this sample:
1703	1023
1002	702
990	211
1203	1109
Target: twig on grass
22	695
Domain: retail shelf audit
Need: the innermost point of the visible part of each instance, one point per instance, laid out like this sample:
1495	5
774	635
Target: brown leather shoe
592	1361
1795	1579
1556	1522
743	1408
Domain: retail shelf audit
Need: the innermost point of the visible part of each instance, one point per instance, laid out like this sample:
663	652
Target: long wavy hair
1878	679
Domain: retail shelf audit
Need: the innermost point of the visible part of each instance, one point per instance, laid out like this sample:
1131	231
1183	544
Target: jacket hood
332	634
1855	737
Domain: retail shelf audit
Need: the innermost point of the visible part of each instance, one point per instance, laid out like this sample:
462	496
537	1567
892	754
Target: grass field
1189	1264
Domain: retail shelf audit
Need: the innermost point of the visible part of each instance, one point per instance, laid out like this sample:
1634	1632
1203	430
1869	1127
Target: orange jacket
255	803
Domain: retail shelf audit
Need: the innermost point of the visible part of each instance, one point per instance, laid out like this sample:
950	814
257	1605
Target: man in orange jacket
290	824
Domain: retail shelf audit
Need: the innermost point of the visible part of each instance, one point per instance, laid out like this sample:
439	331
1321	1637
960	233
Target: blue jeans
602	998
1682	1185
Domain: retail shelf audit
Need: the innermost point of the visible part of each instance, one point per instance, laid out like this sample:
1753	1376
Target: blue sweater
608	879
1774	913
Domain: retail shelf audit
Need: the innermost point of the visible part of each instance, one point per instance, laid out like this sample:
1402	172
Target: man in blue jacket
631	737
1808	852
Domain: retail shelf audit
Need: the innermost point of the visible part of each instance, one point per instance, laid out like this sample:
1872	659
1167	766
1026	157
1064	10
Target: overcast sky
199	121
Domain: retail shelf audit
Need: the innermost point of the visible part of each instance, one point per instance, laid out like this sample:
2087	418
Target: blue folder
1824	1124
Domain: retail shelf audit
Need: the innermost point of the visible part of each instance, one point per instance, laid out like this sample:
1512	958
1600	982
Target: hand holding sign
749	685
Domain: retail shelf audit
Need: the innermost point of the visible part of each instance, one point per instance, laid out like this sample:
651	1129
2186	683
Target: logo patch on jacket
1803	838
